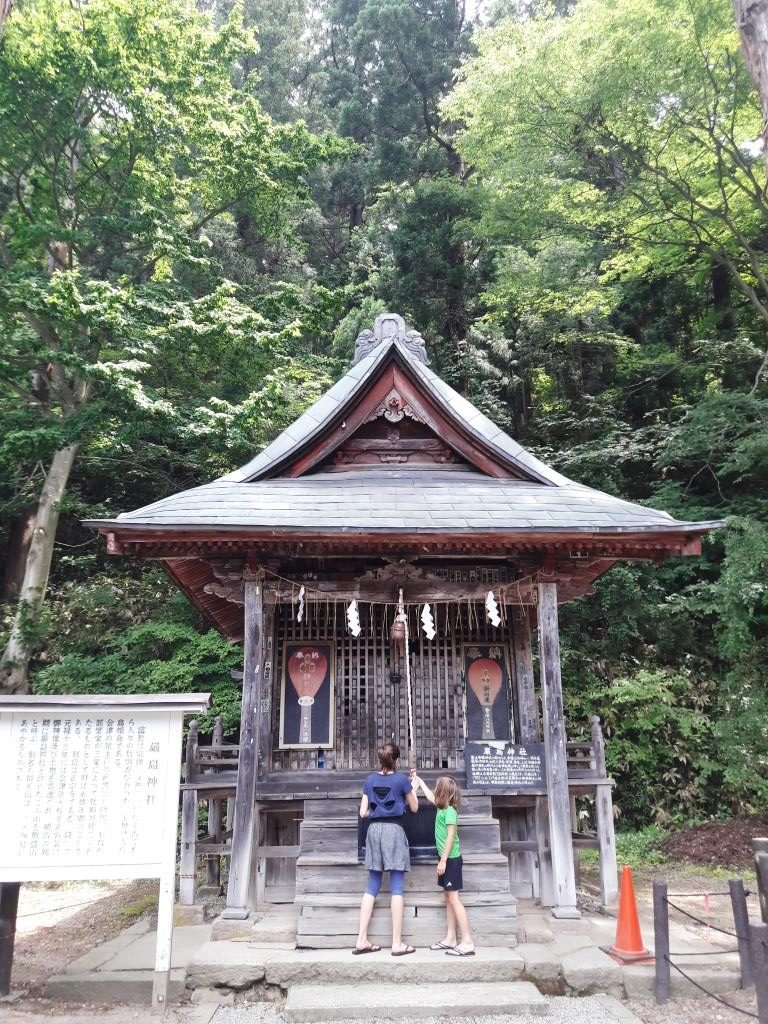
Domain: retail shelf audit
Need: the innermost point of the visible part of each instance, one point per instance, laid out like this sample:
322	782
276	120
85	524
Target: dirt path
59	922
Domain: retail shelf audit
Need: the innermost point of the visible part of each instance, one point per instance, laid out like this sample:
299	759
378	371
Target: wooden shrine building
392	482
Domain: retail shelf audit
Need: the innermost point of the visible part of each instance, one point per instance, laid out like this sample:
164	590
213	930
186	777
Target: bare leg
465	936
397	923
366	909
450	921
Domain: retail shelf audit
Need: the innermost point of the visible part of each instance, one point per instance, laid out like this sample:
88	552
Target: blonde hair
447	792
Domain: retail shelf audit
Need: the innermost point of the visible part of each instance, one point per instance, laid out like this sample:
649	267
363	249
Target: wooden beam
237	907
609	872
9	905
270	662
187	860
525	689
561	846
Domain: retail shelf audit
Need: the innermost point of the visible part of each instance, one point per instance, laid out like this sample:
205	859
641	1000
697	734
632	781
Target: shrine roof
315	419
493	486
400	500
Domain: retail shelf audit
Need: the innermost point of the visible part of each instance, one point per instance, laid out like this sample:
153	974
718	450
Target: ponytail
389	755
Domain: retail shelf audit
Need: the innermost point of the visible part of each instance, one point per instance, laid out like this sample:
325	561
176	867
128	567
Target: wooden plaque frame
289	737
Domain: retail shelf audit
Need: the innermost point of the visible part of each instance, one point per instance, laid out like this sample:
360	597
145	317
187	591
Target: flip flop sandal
405	952
459	952
368	949
441	945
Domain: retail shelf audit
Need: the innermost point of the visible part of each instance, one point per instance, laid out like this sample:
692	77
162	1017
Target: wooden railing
200	764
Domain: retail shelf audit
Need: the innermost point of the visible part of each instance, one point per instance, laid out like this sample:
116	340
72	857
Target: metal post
9	906
760	850
661	941
741	923
758	934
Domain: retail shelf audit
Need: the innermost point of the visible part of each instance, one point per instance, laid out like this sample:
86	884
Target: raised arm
425	789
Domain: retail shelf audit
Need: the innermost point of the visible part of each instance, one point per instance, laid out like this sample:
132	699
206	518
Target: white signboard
92	793
91	789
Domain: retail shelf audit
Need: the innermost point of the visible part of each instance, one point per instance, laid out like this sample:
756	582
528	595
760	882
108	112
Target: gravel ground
562	1011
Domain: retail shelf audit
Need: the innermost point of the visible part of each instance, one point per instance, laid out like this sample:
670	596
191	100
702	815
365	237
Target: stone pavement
558	957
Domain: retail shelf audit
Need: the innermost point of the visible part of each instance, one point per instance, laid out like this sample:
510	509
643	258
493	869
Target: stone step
309	1003
240	965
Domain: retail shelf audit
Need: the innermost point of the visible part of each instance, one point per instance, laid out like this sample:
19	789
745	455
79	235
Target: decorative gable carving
386	326
394	408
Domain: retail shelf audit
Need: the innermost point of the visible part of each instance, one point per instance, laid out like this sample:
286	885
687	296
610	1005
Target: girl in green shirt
447	799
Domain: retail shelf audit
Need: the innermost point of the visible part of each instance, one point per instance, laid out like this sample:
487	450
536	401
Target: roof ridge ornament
388	326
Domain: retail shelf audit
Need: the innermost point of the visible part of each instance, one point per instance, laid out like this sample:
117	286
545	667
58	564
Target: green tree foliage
125	139
625	335
570	204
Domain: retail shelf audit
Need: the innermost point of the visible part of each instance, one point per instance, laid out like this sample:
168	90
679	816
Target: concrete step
240	965
111	986
309	1003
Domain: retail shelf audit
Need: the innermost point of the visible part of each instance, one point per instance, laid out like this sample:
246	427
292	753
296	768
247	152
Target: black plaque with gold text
506	766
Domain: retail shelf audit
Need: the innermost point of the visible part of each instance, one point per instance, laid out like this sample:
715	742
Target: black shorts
451	880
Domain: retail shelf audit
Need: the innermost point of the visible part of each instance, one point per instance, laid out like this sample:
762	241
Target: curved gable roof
348	391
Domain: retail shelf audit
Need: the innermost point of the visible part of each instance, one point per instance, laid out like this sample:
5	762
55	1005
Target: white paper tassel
427	622
492	609
353	618
300	613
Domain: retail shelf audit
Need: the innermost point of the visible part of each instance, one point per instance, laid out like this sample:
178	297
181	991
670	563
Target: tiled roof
401	500
254	497
341	396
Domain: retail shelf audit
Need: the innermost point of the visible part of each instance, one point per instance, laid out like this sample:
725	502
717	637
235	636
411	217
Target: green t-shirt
447	816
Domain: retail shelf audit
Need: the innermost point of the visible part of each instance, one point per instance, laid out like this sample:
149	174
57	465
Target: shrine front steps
328	892
451	999
239	966
328	921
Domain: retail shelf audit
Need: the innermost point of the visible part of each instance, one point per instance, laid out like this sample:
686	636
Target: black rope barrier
702	921
677	895
709	952
71	906
747	1013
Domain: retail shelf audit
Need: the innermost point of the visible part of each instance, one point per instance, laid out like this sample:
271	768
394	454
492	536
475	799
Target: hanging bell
397	633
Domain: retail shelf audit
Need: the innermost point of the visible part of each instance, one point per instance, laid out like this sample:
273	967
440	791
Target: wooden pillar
265	722
213	861
237	907
606	834
525	688
9	906
530	732
561	846
760	851
188	823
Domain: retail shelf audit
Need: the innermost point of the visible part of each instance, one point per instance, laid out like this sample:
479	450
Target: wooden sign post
92	791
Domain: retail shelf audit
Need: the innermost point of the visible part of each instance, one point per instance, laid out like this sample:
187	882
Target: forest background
201	205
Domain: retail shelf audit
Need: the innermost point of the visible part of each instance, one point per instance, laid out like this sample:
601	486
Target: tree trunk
17	547
752	19
5	10
14	667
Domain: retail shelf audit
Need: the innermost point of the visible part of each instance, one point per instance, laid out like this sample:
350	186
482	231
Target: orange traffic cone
628	945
